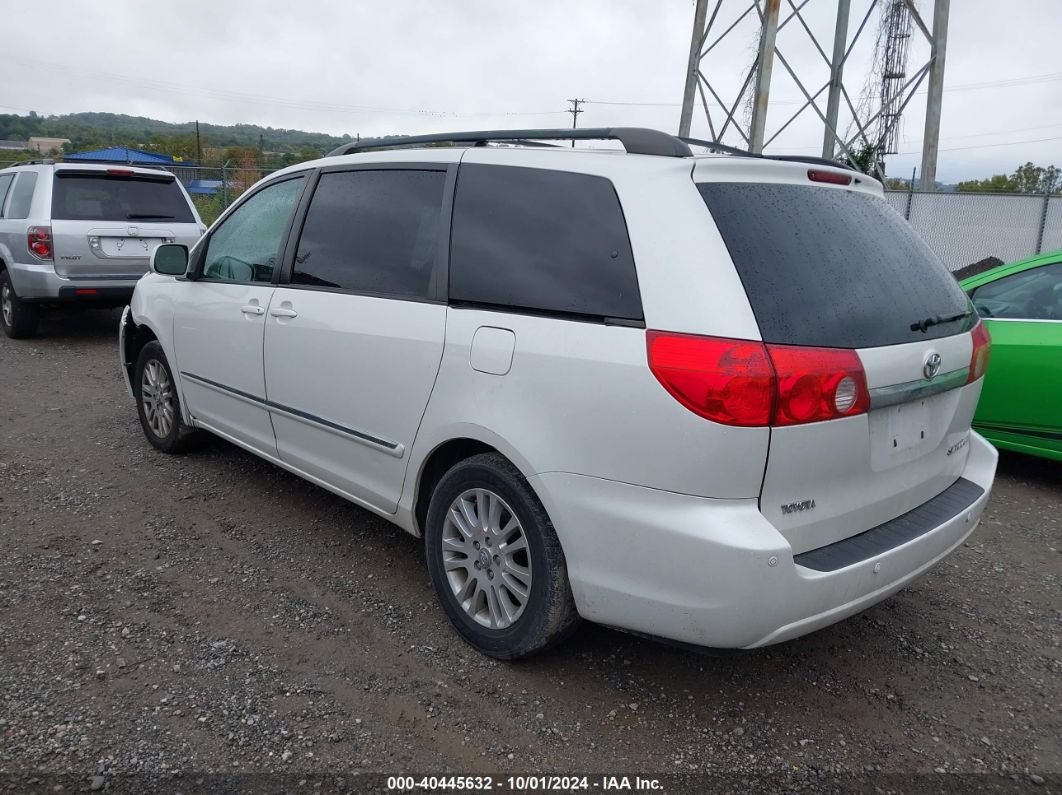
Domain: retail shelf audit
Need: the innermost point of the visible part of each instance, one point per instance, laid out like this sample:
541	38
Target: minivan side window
1035	294
22	195
540	240
5	184
246	246
372	231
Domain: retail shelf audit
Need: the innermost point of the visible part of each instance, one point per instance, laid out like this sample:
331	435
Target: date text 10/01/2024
522	783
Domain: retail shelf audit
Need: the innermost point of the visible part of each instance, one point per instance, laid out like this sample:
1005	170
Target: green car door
1021	402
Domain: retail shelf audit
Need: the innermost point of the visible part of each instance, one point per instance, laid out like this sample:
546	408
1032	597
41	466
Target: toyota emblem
931	366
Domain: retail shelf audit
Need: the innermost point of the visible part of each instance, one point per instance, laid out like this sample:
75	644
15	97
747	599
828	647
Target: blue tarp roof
120	154
204	187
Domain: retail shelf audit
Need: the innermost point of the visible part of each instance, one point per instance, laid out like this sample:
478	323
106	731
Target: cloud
413	66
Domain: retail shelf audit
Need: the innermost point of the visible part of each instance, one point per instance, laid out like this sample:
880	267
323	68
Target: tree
864	159
1028	178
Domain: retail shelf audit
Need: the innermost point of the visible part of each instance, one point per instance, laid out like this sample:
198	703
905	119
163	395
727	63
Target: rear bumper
38	281
715	572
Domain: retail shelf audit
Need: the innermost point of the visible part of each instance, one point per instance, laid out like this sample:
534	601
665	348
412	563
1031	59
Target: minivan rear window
833	268
118	197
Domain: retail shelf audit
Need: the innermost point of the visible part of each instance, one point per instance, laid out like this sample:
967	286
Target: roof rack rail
46	161
715	146
636	140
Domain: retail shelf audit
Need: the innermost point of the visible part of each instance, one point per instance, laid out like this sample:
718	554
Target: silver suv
719	399
82	234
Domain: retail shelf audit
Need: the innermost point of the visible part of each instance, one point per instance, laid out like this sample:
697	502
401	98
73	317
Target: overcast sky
408	66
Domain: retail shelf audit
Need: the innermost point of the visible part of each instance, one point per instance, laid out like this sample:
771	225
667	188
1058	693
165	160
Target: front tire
495	562
18	318
157	403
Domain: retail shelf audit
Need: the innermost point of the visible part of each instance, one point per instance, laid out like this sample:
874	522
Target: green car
1021	403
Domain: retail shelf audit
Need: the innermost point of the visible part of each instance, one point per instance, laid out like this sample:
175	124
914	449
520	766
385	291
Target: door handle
280	311
252	309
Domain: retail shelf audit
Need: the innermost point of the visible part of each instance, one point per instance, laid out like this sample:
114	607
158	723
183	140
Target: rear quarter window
5	186
22	195
543	241
114	197
833	268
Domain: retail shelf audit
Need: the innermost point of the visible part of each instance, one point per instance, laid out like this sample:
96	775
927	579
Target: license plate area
907	425
118	247
909	431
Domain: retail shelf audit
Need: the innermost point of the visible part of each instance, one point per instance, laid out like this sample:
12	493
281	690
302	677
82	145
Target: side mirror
170	259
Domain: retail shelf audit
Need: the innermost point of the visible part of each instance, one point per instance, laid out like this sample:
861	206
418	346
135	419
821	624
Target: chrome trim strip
1020	320
883	396
122	363
391	448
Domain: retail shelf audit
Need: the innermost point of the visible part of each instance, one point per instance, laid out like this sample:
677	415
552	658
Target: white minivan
719	399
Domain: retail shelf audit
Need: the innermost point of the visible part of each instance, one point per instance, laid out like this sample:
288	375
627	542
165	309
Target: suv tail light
745	383
982	347
39	241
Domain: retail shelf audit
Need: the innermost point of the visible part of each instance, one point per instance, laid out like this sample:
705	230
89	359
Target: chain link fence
214	188
964	228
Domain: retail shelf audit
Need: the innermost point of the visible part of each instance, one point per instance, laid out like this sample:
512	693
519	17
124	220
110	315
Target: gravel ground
173	617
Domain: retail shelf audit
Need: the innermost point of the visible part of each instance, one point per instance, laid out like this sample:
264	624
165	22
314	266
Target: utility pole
575	111
692	68
198	146
833	102
931	137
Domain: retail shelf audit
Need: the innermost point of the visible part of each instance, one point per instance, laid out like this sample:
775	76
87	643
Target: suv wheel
157	402
495	561
18	317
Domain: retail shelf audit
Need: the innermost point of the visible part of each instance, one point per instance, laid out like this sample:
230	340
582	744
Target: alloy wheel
7	305
486	558
157	397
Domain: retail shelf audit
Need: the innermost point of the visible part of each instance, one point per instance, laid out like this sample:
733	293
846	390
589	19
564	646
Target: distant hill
96	130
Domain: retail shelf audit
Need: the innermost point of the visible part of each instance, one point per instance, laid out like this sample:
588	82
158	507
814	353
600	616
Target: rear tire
495	562
157	403
18	318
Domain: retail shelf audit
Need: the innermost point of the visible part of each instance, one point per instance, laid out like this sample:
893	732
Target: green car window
1034	294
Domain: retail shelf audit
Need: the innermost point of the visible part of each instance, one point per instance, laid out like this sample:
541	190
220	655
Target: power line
990	146
994	132
249	98
1006	83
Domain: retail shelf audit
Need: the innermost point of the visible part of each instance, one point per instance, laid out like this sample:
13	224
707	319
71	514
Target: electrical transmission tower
896	26
872	126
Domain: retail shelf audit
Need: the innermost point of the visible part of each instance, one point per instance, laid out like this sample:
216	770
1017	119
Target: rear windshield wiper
144	216
924	325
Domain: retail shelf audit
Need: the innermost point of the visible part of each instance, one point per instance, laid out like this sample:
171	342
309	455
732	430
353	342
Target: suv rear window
540	240
116	197
833	268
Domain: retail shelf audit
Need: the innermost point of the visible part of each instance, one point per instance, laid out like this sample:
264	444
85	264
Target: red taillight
84	291
746	383
727	381
816	384
982	347
122	172
829	177
39	241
